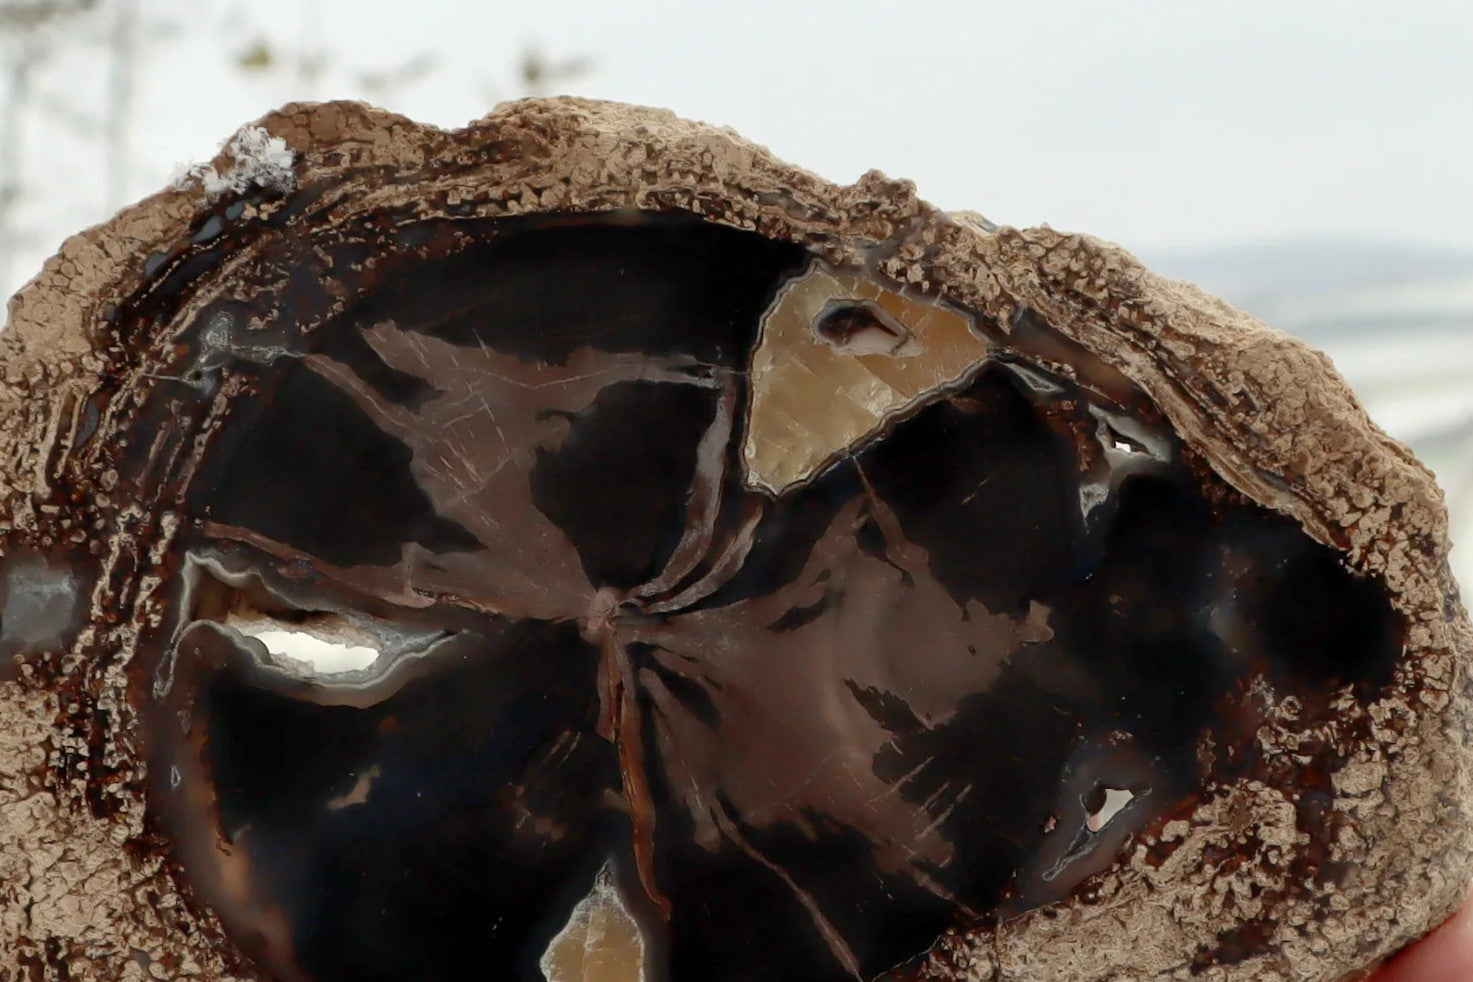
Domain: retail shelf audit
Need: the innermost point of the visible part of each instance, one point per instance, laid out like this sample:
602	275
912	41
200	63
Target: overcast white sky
1155	122
1159	124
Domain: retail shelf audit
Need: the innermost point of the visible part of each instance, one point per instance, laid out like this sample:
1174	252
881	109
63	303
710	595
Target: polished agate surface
633	599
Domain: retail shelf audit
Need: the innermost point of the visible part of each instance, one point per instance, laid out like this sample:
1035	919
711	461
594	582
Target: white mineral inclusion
260	159
601	941
812	400
1115	800
331	647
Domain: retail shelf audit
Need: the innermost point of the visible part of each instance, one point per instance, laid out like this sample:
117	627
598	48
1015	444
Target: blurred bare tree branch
122	51
53	101
28	37
540	76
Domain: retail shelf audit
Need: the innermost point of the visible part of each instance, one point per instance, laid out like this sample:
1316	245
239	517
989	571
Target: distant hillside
1265	275
1396	319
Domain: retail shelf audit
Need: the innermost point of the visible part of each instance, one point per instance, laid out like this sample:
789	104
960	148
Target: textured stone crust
87	890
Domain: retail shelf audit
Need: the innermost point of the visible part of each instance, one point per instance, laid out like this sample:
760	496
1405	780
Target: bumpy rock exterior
1349	837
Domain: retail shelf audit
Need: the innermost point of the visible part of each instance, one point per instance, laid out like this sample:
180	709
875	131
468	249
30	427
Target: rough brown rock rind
86	888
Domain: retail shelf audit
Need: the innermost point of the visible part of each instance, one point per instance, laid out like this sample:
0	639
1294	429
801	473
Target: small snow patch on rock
261	160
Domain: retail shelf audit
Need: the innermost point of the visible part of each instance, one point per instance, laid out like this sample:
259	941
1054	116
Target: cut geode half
582	547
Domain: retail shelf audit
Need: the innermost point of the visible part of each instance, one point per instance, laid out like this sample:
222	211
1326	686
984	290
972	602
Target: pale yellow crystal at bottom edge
601	941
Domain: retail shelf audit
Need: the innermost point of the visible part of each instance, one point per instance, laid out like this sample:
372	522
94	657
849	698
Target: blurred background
1308	161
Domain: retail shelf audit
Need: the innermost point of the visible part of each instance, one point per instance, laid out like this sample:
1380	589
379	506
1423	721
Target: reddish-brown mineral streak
85	889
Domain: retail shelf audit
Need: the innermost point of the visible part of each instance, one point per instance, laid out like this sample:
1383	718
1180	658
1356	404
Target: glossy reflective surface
941	663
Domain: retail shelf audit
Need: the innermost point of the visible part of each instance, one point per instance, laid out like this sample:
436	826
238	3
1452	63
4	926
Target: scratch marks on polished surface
752	613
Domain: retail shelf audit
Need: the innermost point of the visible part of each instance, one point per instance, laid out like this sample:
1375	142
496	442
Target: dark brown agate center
807	725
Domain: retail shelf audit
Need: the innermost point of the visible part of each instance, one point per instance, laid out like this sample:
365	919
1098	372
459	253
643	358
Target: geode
583	547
